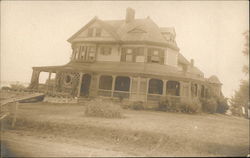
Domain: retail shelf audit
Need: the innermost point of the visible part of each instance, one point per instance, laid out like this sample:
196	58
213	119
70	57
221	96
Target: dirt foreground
47	130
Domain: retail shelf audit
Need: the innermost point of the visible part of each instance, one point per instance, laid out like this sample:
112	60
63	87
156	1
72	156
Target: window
155	86
105	82
155	55
94	32
133	54
173	88
90	32
139	55
122	83
127	55
92	51
82	53
105	50
76	53
98	32
194	89
202	91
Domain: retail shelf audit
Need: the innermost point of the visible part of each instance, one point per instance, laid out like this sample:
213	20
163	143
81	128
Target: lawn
140	133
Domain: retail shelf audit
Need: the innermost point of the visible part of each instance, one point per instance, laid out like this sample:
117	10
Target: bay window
84	53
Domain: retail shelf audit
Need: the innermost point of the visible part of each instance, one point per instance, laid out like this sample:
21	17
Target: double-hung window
105	50
155	55
91	53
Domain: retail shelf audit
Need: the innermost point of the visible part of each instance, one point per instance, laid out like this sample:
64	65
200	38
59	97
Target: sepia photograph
124	79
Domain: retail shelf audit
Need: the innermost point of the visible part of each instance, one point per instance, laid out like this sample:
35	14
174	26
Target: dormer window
94	32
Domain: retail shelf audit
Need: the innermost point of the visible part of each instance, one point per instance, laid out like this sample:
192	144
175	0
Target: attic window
98	32
94	32
90	32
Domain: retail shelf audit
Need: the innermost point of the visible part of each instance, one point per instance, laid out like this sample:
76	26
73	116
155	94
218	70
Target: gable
93	31
137	30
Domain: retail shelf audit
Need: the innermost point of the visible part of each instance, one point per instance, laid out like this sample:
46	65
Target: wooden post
14	114
147	90
113	85
164	88
48	82
190	91
80	83
138	87
130	87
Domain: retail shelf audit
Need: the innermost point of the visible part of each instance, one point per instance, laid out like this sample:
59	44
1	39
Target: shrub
222	105
187	105
17	86
166	105
103	108
191	105
5	88
137	105
209	105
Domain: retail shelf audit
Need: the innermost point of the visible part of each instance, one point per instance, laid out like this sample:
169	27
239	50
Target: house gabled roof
122	31
105	25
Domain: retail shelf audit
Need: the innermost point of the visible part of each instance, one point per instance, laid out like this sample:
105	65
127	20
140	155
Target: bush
103	108
5	88
222	105
166	105
17	86
209	105
191	105
187	105
137	105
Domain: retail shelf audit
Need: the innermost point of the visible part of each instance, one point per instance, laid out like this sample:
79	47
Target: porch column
138	86
79	85
113	85
147	89
130	86
34	79
48	82
165	87
189	90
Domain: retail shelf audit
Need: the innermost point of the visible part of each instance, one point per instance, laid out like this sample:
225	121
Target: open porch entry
85	85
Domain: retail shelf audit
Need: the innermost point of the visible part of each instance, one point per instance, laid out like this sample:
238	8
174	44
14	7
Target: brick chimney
192	62
130	15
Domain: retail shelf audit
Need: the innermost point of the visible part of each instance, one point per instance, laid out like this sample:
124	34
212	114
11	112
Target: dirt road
23	144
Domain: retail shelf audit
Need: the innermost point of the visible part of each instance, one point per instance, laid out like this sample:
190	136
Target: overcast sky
35	33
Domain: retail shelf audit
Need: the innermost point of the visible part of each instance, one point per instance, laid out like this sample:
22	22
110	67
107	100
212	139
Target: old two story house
132	59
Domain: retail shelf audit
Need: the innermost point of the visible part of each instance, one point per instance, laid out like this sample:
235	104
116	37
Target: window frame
160	56
102	50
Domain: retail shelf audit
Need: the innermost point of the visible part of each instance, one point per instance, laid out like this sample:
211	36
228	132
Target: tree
240	101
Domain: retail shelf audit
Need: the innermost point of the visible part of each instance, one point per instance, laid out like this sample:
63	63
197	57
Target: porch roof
122	68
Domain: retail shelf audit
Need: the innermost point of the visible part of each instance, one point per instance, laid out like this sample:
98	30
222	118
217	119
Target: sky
35	33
